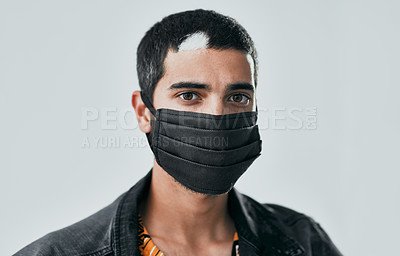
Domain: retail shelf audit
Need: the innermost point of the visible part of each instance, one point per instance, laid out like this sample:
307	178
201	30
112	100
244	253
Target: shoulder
296	225
88	237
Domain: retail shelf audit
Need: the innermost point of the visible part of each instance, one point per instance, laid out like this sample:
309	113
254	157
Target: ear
142	112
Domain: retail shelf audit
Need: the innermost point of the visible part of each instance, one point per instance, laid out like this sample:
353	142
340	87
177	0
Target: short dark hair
223	32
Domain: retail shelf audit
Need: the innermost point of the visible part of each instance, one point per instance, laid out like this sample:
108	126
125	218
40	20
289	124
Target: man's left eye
239	98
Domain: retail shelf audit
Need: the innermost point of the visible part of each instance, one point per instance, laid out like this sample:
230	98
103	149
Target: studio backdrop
328	102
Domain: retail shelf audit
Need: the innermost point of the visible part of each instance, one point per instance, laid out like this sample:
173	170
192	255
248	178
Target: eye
188	96
239	98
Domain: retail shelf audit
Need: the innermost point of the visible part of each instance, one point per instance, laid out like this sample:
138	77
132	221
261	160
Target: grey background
58	58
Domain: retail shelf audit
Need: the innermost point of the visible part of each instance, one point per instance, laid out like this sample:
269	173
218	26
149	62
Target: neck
191	216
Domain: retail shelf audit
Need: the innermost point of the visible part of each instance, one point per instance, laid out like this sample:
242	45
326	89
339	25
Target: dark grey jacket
263	229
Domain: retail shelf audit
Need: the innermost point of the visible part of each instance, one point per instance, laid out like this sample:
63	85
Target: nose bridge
216	105
217	78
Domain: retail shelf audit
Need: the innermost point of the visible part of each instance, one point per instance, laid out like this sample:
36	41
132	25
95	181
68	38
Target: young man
198	74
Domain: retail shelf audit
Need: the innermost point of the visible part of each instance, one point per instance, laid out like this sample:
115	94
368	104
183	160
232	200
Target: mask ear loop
147	103
256	105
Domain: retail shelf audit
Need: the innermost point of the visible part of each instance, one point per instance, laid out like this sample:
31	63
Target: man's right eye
188	96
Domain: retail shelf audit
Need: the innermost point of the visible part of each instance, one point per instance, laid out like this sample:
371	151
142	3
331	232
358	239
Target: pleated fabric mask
205	153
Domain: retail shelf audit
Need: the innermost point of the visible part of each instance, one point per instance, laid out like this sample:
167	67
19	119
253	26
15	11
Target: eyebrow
189	85
193	85
240	86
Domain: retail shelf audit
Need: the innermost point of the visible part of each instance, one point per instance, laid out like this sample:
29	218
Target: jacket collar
125	223
257	227
259	230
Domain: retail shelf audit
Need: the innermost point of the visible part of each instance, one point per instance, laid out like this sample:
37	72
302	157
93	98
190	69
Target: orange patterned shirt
148	248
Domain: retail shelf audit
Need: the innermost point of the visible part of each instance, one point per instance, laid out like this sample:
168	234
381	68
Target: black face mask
205	153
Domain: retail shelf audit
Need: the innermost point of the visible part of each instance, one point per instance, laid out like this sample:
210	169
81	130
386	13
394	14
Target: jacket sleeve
45	246
90	236
66	243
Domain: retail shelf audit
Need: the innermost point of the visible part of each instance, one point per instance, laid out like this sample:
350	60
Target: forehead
205	65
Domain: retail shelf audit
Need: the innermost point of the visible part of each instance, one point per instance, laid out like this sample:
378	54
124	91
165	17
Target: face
206	80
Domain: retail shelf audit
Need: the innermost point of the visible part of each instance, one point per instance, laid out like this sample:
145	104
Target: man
198	74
